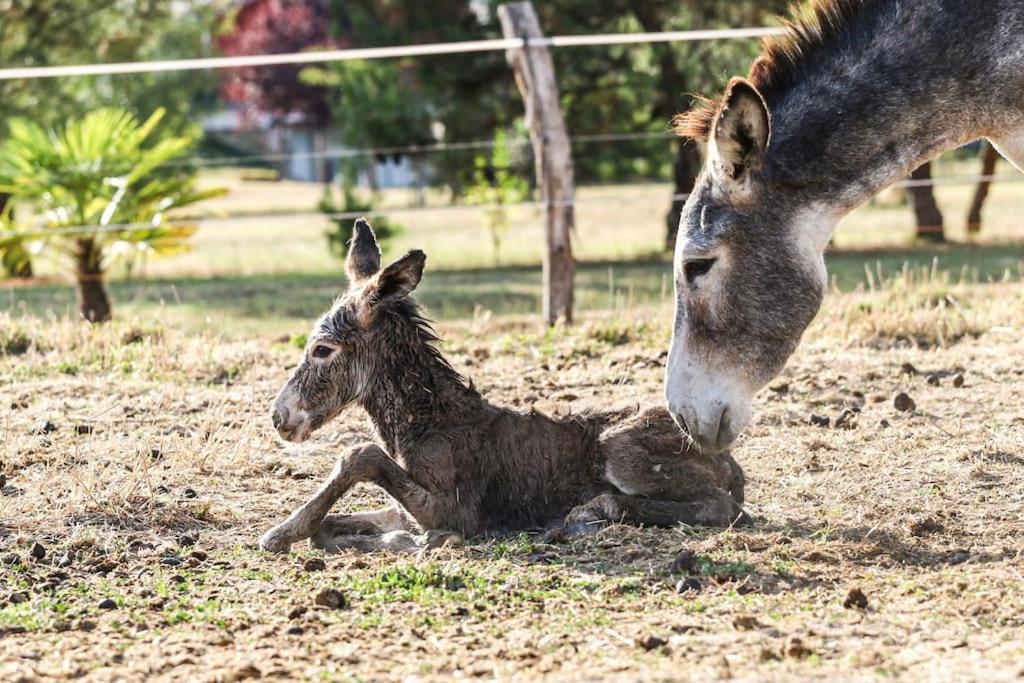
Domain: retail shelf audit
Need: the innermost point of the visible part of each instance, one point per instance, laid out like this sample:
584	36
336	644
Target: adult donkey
852	97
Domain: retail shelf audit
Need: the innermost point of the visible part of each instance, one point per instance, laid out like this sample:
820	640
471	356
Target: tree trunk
926	211
15	261
93	302
685	168
535	78
989	156
671	81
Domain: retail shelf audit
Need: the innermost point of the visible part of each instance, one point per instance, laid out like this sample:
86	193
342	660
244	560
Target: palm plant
101	192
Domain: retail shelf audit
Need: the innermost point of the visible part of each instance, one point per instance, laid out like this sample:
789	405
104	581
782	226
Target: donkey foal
457	465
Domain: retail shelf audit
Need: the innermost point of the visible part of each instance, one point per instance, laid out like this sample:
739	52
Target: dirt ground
139	468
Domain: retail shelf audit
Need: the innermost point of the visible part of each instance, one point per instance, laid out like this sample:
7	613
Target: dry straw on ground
140	467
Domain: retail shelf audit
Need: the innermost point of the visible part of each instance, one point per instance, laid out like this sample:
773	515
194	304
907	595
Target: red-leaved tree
275	26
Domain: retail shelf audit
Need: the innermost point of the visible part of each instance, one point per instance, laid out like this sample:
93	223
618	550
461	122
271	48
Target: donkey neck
866	109
412	389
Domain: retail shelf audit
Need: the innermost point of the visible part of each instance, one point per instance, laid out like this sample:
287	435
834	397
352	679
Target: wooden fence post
535	76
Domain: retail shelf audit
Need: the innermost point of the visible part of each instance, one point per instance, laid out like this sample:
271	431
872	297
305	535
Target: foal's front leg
358	464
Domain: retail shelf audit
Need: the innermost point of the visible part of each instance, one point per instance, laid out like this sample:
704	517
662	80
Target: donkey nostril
280	417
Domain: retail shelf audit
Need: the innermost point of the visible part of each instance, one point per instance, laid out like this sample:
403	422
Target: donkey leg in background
360	463
719	510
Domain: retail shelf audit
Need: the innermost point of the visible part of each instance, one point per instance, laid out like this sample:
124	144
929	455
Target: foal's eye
697	267
321	351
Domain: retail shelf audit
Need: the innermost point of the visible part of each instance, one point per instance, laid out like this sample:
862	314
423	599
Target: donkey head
749	275
347	343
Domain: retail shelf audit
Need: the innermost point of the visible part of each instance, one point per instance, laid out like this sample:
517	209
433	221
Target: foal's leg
358	464
718	510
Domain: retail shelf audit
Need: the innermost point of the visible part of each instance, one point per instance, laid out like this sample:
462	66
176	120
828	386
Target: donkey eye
321	351
697	267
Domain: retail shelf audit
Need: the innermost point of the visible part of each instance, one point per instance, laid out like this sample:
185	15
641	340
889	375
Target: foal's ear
363	252
400	278
739	138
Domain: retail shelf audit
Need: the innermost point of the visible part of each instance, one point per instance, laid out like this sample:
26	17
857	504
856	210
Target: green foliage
496	185
90	177
50	32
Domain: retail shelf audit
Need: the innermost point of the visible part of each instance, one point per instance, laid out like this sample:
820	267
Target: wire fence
392	52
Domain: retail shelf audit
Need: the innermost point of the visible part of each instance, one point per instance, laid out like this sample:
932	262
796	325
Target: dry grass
162	470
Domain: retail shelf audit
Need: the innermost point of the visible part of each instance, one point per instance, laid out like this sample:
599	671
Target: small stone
43	428
314	564
331	598
818	420
745	622
903	403
11	558
84	429
768	655
170	561
959	557
296	611
926	527
958	380
651	642
846	419
107	603
295	631
855	599
685	562
85	625
908	369
884	424
690	584
177	578
189	492
38	551
155	454
934	380
795	649
18	598
186	540
198	555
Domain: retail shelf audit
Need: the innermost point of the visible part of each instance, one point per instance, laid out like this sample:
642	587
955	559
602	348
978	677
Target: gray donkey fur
457	465
854	96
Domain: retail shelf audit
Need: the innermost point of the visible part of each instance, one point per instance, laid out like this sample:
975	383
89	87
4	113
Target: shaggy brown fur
814	25
455	463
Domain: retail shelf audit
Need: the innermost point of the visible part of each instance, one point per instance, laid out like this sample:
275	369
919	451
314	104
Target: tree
104	192
270	26
52	32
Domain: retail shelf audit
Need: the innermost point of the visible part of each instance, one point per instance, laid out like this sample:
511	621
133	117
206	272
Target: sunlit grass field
260	258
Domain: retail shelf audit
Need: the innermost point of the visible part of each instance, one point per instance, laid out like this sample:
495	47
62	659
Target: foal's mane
814	25
408	309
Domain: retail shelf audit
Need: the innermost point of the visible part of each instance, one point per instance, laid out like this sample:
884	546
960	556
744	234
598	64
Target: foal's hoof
580	528
742	519
437	538
274	542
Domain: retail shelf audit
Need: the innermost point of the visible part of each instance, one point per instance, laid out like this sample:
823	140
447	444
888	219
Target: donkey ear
363	252
739	137
400	278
